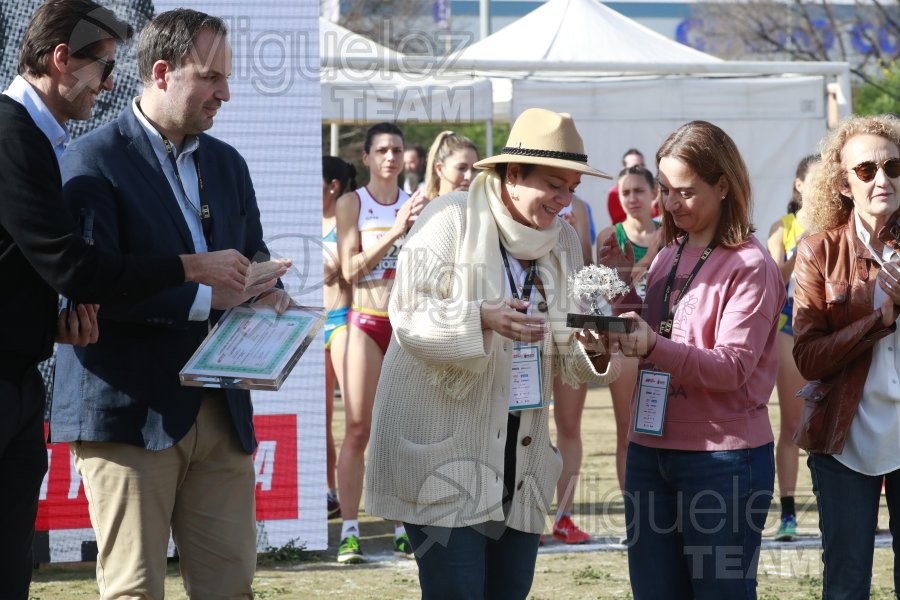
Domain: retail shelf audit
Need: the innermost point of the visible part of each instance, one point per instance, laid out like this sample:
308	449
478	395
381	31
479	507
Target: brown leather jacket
835	328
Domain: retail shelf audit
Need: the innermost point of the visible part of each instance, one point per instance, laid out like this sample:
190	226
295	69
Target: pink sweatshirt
722	355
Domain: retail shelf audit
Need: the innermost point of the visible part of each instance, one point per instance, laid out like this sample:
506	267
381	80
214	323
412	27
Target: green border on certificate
215	360
253	347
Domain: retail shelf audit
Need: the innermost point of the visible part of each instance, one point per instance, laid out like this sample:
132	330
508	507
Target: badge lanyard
649	415
203	212
526	286
667	316
526	380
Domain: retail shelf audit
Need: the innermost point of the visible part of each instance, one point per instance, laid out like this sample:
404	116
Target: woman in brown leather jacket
847	345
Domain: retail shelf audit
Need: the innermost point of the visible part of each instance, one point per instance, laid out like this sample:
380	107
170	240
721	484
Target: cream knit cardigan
434	459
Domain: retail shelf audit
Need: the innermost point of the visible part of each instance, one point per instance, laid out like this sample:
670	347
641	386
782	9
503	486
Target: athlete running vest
376	219
792	232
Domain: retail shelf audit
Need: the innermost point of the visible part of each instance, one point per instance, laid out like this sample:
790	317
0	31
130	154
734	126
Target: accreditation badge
653	393
526	389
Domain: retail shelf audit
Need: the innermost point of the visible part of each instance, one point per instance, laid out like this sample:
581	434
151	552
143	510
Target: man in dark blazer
154	455
65	61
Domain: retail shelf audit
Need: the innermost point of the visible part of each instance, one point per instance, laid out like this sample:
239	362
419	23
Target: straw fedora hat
544	137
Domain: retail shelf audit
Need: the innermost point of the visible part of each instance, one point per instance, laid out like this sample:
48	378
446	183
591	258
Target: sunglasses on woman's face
866	170
108	65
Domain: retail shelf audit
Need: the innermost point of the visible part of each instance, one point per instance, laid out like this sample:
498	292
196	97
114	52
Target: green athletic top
639	251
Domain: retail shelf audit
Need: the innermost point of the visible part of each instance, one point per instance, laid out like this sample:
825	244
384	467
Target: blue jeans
848	512
483	562
694	521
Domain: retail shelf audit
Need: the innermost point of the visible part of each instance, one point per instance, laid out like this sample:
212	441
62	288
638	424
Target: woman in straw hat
460	448
699	471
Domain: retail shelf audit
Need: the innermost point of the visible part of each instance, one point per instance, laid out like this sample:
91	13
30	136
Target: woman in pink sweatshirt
700	470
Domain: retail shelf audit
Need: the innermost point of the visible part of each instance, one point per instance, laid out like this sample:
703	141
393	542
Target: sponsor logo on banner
63	505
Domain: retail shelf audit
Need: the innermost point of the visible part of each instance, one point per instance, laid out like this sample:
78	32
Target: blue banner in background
439	11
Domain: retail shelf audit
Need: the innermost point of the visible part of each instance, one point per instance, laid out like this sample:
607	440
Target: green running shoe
349	552
402	547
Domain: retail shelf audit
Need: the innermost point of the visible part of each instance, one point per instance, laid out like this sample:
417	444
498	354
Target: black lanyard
203	212
668	316
529	280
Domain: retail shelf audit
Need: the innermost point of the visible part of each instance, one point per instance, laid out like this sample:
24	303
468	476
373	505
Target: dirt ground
788	570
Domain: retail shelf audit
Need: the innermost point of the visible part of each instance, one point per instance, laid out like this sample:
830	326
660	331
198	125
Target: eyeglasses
866	170
108	65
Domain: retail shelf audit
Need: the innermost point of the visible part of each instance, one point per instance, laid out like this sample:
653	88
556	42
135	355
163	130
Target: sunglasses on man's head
108	65
866	170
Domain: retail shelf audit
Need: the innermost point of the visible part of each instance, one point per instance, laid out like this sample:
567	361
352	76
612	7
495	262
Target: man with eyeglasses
66	59
159	183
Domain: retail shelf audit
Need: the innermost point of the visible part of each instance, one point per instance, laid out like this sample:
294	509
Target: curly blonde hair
826	207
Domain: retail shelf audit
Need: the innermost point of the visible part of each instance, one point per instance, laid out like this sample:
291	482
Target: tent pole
489	137
335	139
846	107
484	17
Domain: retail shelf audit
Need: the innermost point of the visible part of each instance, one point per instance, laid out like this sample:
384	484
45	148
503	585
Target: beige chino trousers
202	489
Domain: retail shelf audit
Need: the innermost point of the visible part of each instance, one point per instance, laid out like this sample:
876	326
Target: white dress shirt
873	443
190	204
22	92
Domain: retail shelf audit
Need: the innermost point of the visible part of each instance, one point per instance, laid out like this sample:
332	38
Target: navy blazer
41	252
125	388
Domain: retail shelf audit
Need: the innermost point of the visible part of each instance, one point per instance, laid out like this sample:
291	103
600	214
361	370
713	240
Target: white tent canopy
581	30
774	120
358	89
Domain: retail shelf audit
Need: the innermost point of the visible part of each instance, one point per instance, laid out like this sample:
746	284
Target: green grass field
788	571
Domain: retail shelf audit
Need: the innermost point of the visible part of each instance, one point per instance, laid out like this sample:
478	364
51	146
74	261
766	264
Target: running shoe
787	532
567	532
334	507
349	552
402	547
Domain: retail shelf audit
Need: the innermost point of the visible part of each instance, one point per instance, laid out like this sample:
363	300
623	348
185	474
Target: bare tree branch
811	29
886	17
800	30
832	23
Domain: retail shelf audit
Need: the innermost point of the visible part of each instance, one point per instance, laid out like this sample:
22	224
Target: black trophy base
599	323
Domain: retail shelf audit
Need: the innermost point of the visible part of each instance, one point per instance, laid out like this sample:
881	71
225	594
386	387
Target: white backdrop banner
274	121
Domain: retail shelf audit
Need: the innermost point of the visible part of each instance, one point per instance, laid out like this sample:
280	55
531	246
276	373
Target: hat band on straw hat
546	138
573	156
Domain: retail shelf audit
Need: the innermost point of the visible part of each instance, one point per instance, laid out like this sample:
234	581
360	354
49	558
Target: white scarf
488	223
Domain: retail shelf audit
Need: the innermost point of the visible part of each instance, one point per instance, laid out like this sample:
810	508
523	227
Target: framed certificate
253	347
